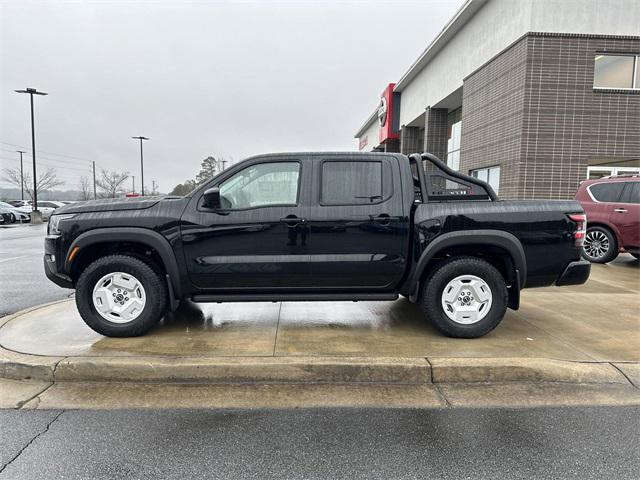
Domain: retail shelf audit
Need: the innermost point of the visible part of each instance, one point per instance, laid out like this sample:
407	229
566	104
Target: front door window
262	185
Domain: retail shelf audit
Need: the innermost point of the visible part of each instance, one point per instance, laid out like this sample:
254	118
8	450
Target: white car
18	215
50	204
46	208
19	203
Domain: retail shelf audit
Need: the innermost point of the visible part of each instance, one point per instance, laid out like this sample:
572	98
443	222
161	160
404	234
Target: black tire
154	287
12	218
434	285
609	254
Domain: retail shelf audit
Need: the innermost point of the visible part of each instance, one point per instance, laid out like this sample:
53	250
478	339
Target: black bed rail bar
453	173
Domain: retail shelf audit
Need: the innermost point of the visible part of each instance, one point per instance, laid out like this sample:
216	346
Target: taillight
581	228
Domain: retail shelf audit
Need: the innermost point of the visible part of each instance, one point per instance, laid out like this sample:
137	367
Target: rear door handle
620	210
382	219
293	221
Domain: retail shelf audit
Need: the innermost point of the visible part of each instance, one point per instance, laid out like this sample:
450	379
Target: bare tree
47	180
85	188
110	183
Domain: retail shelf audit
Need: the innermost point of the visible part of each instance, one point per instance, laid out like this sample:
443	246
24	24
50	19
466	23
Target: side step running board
292	297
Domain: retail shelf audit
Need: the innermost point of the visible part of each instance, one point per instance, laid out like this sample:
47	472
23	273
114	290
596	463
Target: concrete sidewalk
587	335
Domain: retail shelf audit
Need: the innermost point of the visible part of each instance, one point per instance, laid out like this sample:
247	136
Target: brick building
532	95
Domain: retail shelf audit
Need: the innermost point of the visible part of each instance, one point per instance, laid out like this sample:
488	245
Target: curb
303	369
338	370
518	369
20	366
245	370
7	318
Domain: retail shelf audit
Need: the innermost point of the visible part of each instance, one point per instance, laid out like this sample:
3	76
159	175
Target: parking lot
22	278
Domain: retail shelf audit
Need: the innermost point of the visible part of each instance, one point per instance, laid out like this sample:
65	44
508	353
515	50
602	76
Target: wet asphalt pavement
22	279
544	443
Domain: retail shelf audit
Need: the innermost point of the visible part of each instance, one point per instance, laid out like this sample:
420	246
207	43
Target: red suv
612	205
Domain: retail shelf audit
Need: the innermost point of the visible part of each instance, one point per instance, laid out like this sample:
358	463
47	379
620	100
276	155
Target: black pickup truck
316	226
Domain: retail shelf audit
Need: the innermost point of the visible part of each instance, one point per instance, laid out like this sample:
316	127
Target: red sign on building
389	114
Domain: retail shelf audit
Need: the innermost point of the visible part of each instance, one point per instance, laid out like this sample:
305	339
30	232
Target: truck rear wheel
120	296
465	297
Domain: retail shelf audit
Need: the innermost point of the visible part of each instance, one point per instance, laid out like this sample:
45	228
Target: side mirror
211	198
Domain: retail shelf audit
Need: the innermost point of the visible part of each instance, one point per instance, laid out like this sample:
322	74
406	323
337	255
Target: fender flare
138	235
496	238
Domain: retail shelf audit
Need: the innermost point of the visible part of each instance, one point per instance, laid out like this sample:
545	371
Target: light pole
95	196
141	162
21	175
32	92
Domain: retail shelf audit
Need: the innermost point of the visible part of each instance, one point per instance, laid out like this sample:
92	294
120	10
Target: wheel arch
89	245
503	250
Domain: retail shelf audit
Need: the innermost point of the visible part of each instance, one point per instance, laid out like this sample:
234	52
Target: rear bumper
576	273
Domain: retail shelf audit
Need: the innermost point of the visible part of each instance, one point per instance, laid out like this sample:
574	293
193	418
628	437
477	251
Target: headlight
53	227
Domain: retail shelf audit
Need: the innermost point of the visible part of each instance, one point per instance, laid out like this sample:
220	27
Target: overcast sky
227	79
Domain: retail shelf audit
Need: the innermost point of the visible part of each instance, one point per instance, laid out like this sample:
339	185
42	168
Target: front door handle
292	221
620	210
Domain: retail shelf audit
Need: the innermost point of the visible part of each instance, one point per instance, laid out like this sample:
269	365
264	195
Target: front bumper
52	253
576	273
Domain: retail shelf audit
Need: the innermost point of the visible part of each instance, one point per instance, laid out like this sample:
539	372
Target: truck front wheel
120	296
465	297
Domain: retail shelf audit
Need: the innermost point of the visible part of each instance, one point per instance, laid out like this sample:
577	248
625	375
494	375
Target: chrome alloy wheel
466	299
119	297
596	244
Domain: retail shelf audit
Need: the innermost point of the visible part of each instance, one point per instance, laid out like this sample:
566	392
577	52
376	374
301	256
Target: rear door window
354	182
606	192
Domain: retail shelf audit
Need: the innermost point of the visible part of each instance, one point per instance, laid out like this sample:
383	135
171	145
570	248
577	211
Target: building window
454	129
490	175
616	71
604	171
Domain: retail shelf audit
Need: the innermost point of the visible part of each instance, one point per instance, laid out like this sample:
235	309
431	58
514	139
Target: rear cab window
442	187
